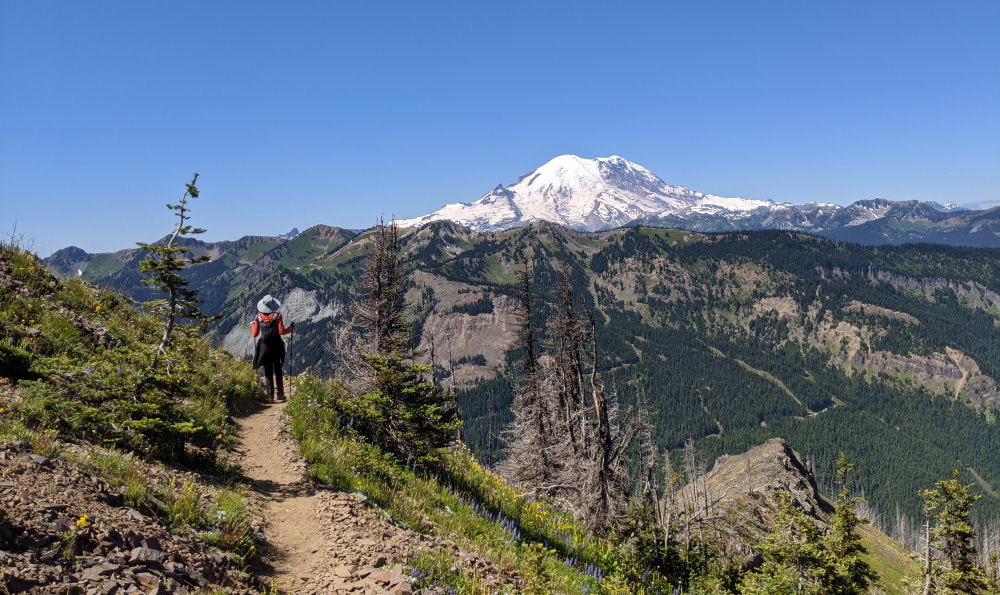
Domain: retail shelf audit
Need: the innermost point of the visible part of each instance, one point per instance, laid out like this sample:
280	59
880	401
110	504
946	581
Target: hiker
269	351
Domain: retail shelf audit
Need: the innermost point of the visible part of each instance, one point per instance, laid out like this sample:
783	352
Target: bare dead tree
451	365
382	284
906	532
374	321
988	546
928	560
566	441
433	363
609	445
694	471
349	349
528	459
564	345
666	509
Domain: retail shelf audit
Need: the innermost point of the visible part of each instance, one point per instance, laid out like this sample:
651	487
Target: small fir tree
850	573
795	560
164	264
950	533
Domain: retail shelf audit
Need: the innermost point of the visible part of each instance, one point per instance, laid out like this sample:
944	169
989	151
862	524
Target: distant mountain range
604	193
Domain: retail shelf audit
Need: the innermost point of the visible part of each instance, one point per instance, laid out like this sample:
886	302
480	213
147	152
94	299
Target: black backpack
269	330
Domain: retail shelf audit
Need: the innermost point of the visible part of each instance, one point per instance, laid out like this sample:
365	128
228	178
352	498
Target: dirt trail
293	526
319	540
325	540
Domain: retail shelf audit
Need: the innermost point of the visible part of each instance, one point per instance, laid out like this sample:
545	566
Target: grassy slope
39	357
78	379
893	564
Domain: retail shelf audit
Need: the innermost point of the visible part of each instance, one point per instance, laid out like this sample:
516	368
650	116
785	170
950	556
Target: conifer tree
850	573
950	533
164	264
400	407
795	560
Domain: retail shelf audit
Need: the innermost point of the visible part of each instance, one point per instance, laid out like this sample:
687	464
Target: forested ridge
683	326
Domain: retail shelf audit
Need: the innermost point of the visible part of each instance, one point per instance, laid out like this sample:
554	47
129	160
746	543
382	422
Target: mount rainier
607	192
586	195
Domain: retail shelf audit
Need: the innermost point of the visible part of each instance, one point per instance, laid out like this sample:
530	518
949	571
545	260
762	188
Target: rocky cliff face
738	498
952	374
852	344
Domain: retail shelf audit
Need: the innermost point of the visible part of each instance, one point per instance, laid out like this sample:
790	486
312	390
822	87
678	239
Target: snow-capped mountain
597	194
587	194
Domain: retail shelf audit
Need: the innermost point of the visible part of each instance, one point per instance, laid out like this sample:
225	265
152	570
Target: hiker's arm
282	329
254	328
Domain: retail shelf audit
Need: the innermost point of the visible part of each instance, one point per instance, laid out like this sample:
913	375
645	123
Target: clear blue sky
297	113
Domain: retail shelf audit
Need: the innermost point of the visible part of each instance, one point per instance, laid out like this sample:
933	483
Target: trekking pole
291	367
256	384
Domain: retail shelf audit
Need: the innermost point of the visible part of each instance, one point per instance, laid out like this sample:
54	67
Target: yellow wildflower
83	522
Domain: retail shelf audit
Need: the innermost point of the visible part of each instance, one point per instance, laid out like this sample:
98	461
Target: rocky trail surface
320	540
64	530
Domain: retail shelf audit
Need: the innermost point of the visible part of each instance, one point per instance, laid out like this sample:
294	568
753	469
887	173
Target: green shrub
58	335
231	530
183	504
13	429
85	359
14	361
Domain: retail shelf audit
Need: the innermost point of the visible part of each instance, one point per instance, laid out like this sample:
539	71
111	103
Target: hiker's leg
269	376
279	379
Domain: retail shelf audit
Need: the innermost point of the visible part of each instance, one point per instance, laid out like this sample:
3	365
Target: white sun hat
268	304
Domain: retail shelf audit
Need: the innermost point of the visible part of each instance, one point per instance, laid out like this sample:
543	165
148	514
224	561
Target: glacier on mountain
586	194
